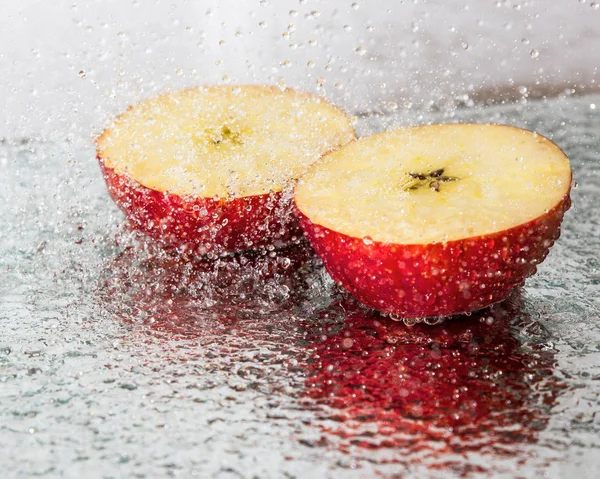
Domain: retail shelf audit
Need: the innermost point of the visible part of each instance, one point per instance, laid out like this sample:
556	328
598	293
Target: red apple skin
203	225
437	279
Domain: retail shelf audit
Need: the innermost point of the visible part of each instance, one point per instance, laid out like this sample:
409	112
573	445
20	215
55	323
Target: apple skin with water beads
435	220
210	169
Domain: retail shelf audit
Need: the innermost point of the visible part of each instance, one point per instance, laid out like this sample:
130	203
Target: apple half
207	169
435	220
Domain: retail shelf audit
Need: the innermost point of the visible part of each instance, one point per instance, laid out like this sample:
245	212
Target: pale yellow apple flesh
223	141
436	183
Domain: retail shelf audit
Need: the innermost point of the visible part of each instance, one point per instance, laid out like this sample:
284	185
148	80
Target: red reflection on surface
469	384
188	297
379	390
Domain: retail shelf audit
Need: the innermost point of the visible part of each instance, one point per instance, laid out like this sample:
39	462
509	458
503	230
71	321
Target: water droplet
465	46
534	53
221	43
285	262
355	6
595	5
310	64
361	50
312	43
367	240
263	3
575	185
410	322
433	321
347	28
286	63
262	24
293	13
81	74
592	106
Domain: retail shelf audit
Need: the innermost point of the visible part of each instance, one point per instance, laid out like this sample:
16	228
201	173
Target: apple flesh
436	220
210	169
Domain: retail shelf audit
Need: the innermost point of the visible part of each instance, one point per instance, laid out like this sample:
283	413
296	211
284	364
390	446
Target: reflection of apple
207	168
179	296
435	220
461	386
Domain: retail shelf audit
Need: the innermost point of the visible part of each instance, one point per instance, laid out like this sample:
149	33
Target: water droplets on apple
112	314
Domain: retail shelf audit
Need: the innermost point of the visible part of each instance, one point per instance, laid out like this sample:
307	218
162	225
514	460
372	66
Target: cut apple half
207	168
435	220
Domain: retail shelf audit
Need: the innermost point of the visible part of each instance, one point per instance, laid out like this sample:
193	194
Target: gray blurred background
67	65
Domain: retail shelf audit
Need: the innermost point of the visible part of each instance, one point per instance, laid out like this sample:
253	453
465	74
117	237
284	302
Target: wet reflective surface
121	360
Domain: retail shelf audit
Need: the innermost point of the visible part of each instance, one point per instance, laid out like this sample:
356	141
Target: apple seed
431	179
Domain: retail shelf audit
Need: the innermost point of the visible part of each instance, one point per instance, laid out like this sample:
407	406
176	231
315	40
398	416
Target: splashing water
123	359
